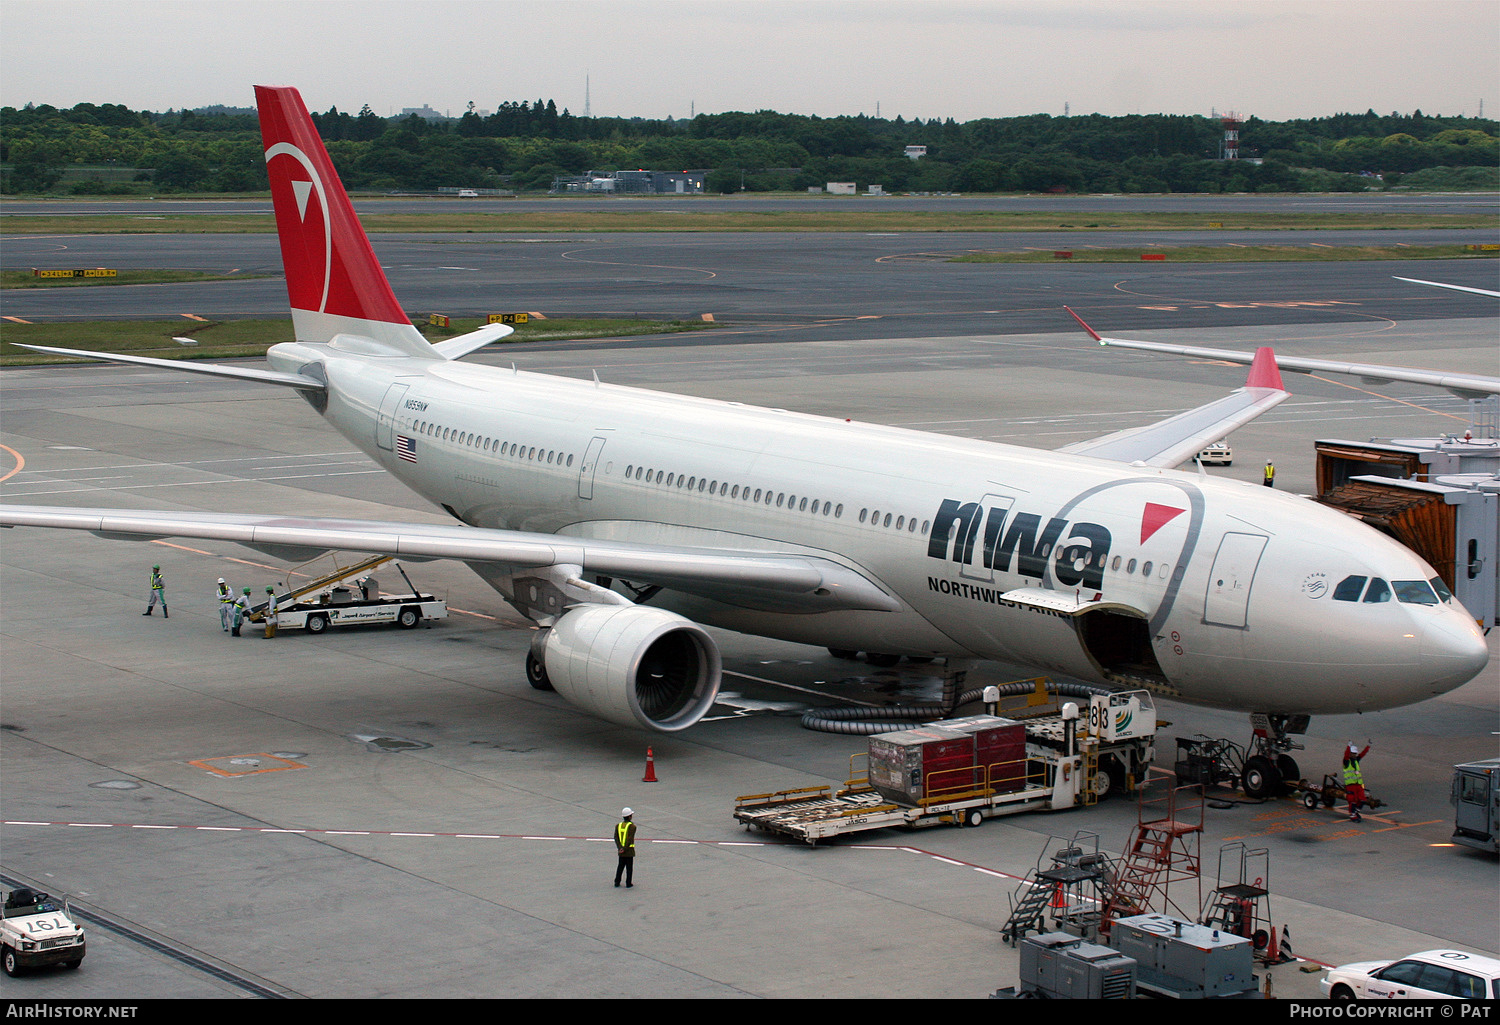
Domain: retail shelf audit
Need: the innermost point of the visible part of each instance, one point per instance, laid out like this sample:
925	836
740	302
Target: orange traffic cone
1059	898
650	776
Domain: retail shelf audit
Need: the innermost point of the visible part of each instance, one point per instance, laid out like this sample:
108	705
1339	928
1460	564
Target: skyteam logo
301	247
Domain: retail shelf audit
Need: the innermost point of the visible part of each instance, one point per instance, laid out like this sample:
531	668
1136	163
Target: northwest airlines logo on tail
330	267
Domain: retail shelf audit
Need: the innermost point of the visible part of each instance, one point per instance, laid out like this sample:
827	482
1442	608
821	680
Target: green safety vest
1352	774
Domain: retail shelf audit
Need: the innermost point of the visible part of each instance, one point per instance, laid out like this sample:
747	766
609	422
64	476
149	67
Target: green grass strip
1232	254
249	339
823	218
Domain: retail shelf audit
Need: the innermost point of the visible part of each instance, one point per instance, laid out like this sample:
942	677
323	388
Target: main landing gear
1268	768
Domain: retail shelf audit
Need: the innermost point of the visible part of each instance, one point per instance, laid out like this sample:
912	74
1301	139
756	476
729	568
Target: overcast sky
962	59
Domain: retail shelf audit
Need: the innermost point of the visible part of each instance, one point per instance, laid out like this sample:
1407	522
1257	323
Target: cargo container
963	771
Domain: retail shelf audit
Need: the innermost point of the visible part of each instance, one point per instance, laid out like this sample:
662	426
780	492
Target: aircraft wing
760	580
1468	386
1456	288
1177	439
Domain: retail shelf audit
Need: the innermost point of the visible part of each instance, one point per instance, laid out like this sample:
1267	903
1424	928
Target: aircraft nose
1454	650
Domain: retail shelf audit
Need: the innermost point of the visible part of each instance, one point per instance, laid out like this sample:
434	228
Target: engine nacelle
634	665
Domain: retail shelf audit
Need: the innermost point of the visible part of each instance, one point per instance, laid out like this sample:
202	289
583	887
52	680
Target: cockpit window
1349	589
1442	590
1414	592
1378	591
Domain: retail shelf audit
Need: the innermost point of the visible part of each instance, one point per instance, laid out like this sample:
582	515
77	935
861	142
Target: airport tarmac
389	813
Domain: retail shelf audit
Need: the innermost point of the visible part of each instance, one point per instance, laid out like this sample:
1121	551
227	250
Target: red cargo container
909	765
999	750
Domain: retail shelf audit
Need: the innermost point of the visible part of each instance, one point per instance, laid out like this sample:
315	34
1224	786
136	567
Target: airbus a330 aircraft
620	520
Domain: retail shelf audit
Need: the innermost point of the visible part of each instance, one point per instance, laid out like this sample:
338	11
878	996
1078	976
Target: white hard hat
221	580
626	813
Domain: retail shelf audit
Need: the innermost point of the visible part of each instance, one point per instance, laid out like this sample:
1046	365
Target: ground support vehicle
1070	759
38	930
1327	793
316	617
1476	802
326	602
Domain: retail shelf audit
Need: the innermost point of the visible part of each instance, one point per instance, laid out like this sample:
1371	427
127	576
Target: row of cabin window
491	444
766	496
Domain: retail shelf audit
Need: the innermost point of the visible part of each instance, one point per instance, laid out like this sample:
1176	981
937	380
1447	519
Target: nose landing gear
1269	770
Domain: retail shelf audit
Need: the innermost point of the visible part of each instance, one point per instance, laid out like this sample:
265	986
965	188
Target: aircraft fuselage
1208	590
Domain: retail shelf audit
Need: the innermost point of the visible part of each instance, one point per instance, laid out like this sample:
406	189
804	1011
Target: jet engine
633	665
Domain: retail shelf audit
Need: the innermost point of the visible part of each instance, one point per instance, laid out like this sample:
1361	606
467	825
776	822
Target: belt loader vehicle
963	771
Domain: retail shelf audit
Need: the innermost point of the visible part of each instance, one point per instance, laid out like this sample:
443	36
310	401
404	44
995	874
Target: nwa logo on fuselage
1002	539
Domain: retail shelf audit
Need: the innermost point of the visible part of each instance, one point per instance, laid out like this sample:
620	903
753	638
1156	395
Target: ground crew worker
270	612
1270	475
226	604
1354	780
625	848
158	593
240	608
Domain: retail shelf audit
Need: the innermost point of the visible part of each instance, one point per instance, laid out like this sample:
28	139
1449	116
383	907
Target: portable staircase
1163	855
1073	891
1241	902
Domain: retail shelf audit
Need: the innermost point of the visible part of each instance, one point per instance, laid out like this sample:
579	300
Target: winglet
1094	334
1263	370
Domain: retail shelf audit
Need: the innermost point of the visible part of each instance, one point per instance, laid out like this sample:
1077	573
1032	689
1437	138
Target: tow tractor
38	930
962	771
326	602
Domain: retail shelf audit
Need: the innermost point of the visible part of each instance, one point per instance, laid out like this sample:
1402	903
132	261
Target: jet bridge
1439	497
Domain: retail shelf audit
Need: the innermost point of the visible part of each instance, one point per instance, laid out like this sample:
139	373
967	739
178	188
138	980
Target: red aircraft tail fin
335	283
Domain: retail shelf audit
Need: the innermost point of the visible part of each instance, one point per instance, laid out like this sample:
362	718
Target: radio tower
1230	148
586	97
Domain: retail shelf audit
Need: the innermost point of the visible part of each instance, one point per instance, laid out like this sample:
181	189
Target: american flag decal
406	448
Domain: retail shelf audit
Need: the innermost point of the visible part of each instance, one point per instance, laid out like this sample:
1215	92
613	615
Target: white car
1429	975
1217	454
467	194
38	930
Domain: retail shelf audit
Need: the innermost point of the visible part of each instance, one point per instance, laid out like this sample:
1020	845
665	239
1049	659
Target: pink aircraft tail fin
335	283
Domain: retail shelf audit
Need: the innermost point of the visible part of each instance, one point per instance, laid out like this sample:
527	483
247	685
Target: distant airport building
916	152
682	183
425	112
840	188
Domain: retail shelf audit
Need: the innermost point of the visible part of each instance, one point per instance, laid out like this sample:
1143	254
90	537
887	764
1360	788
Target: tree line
110	149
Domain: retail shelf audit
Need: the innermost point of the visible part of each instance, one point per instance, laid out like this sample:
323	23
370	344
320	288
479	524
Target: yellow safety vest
1352	774
622	836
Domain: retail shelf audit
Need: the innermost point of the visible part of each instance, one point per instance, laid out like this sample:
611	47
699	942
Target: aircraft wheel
536	673
1286	767
1260	778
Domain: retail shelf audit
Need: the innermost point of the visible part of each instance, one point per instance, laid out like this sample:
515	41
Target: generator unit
1183	960
1062	966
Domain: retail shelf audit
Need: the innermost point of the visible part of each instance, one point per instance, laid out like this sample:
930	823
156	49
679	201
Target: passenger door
1227	602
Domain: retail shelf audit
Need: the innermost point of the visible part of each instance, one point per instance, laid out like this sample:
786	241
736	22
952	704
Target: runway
391	813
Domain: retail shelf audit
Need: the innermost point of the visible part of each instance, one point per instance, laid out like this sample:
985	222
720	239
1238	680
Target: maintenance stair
1164	851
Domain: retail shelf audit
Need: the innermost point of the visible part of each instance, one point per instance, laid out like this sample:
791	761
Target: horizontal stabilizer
191	367
457	348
